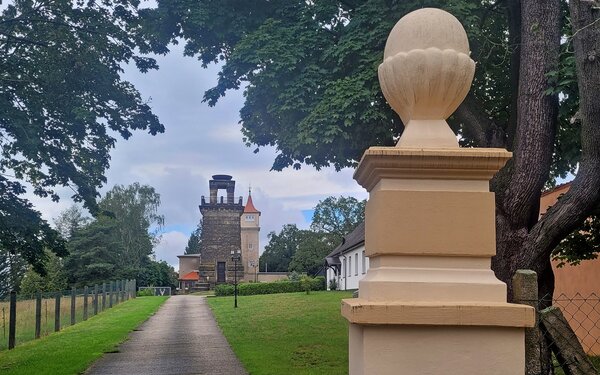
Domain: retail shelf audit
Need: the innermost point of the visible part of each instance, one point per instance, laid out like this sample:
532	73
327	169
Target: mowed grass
291	333
73	349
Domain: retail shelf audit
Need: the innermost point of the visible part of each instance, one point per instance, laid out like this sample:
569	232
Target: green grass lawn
291	333
73	349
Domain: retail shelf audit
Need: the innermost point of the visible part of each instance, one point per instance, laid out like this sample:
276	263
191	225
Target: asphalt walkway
181	338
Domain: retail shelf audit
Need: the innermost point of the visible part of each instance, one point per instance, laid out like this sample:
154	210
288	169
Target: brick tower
250	226
220	232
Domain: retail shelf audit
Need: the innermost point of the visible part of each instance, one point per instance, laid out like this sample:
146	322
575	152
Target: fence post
122	290
103	296
38	315
96	299
12	319
134	288
127	290
110	295
57	312
525	292
73	300
85	303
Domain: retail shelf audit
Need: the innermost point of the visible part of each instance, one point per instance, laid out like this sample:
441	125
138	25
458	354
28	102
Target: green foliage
247	289
338	216
135	211
223	290
311	252
12	270
159	273
309	69
54	280
23	233
581	244
305	283
194	245
281	248
145	293
70	220
62	99
94	253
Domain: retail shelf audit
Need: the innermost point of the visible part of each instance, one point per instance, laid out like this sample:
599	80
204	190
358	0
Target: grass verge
292	333
73	349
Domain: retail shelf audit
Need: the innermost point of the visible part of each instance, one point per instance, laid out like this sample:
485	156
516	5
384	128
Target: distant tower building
250	225
220	232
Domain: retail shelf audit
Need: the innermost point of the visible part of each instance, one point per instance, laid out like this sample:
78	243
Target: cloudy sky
199	142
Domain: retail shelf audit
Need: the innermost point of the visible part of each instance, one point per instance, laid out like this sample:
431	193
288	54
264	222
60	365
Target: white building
347	263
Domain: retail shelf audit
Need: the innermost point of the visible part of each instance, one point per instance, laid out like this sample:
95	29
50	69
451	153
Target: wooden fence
26	318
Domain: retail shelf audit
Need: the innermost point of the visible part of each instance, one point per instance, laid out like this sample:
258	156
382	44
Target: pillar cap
436	164
360	311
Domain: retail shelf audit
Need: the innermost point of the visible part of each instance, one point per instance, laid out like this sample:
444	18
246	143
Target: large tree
135	211
119	242
62	105
309	71
281	249
337	216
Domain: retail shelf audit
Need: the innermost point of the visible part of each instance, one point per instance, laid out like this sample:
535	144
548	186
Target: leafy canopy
62	104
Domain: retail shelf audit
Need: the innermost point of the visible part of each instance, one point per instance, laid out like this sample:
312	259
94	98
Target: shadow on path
181	338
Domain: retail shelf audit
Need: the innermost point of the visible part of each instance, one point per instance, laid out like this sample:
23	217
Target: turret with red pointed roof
250	226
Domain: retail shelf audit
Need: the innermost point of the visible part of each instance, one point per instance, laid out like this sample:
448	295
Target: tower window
249	246
249	217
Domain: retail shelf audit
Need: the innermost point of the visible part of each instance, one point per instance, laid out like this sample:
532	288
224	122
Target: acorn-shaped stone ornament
425	75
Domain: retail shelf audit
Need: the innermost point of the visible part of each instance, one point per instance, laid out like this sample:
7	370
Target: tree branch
584	195
485	131
536	112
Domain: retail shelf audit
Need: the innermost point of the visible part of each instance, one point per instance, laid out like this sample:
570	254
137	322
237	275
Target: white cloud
171	244
201	141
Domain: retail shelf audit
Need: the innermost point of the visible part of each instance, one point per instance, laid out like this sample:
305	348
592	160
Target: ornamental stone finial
425	75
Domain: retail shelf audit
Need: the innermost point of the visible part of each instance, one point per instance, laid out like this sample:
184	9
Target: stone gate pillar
430	304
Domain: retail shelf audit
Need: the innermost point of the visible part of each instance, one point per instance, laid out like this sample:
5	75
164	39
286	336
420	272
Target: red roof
250	206
191	276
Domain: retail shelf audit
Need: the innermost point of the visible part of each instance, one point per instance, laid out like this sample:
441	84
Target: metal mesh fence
44	313
570	329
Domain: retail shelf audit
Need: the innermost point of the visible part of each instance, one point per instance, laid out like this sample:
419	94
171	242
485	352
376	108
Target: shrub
248	289
145	293
305	284
223	290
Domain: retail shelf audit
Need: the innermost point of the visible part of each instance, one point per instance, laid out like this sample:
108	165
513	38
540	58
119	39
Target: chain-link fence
27	317
570	329
566	335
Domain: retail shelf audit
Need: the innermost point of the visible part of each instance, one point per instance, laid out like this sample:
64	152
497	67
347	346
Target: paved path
181	338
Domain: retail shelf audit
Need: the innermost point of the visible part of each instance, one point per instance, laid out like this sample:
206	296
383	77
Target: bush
145	293
248	289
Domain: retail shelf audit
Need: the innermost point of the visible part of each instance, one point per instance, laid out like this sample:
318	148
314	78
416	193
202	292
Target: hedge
248	289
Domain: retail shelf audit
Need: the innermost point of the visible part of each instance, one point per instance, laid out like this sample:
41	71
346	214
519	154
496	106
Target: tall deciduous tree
135	211
311	252
281	249
309	71
62	100
70	220
338	216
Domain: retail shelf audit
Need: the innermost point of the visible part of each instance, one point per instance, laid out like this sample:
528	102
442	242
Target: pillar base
435	350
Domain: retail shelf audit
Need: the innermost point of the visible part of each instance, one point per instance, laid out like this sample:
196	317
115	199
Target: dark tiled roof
350	241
